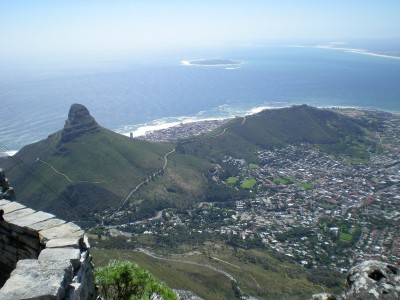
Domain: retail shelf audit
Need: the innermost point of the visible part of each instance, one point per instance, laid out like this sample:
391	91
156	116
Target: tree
125	280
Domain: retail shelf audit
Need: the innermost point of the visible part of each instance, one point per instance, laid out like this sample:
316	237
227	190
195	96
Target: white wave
377	54
221	112
186	63
332	46
147	129
8	153
256	110
344	49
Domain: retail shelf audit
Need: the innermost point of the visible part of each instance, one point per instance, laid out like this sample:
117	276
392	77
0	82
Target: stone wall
44	257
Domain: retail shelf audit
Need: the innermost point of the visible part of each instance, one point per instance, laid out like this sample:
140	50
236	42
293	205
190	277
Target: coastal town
315	208
182	131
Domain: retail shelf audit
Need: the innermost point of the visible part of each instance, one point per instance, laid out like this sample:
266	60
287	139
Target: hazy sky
73	27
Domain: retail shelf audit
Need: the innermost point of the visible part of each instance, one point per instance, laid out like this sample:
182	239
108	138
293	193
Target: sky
46	28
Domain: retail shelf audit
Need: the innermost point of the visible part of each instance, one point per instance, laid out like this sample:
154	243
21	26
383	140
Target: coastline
8	153
195	128
348	50
221	113
174	128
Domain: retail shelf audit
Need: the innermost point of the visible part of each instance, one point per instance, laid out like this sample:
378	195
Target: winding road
226	274
137	187
66	176
146	180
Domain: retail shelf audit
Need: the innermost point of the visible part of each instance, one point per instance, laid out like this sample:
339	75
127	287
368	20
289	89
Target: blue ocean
135	93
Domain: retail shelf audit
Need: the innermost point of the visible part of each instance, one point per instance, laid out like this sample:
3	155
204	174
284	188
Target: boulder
324	296
372	280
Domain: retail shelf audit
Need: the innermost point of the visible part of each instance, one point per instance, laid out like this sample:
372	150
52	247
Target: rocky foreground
369	280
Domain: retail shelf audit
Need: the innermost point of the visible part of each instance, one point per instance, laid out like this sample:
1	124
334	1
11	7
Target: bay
133	94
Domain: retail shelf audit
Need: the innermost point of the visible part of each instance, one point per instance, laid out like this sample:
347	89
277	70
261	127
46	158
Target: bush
325	277
127	281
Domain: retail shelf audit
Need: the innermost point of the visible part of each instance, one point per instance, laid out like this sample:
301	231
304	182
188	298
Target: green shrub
125	280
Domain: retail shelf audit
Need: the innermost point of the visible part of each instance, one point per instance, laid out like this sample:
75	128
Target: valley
306	205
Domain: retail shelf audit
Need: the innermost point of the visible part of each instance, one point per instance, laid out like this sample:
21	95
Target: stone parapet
45	257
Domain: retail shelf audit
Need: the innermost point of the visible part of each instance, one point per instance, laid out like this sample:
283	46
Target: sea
139	94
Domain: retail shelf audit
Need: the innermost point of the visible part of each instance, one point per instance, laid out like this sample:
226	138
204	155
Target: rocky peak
79	123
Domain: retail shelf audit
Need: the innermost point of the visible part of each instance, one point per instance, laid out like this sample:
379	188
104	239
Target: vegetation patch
232	180
126	280
248	184
259	273
283	180
322	276
254	166
204	282
306	185
346	237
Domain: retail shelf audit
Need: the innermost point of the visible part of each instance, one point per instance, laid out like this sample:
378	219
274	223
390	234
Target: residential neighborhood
312	207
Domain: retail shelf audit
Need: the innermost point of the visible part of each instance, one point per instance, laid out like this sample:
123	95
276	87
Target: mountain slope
242	137
84	168
98	166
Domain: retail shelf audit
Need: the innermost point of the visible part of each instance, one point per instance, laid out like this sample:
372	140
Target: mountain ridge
85	169
96	160
276	127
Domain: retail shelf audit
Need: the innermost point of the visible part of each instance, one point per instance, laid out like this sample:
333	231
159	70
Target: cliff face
79	123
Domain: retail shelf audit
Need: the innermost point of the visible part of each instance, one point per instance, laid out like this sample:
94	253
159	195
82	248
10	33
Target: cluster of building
182	131
316	208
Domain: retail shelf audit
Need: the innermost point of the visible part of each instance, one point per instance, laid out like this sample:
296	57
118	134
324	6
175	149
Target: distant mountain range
85	169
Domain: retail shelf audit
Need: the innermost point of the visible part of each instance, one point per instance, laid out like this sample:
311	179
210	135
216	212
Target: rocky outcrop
79	123
324	296
373	280
187	295
6	192
369	280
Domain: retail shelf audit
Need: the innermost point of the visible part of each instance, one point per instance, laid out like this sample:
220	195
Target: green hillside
242	137
101	166
85	169
258	273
